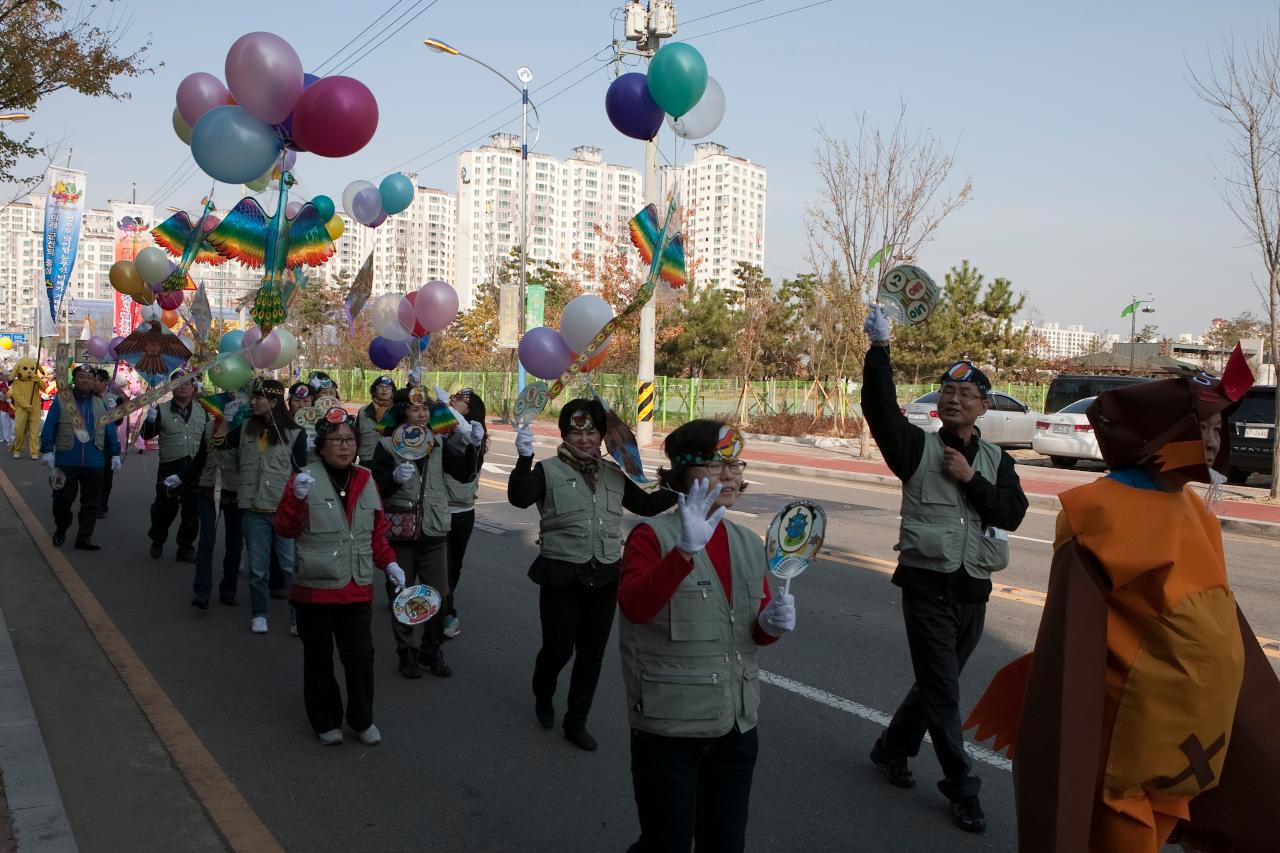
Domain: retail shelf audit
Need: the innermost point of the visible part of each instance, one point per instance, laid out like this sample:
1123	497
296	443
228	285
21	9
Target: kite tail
177	280
268	308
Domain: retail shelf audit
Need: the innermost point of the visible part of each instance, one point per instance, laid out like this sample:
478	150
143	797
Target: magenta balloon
544	353
198	93
335	117
170	300
265	76
265	352
291	209
97	347
379	219
436	306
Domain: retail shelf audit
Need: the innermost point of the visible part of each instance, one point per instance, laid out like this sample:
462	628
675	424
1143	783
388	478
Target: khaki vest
179	439
65	438
692	671
367	435
461	495
329	553
221	462
435	498
578	525
940	530
264	473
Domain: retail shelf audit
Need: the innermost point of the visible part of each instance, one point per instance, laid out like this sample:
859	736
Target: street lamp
1132	311
525	76
14	116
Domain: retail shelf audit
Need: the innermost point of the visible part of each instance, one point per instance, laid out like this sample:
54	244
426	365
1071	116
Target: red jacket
291	520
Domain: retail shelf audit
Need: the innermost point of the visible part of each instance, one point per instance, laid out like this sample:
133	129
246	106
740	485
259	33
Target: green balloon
260	184
677	78
231	373
324	206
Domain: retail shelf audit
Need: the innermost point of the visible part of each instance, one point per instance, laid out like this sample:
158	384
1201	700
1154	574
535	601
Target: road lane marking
880	718
234	818
1031	539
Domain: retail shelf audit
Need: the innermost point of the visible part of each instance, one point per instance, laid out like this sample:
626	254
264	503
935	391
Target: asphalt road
465	767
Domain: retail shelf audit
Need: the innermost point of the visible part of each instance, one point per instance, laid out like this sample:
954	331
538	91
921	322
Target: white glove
173	481
876	325
695	527
524	440
415	376
311	442
47	459
115	464
404	471
779	615
302	484
153	413
442	395
395	574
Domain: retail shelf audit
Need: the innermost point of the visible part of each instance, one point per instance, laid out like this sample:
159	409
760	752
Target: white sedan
1067	437
1008	423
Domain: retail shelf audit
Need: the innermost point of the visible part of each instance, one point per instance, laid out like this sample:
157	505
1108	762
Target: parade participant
81	462
323	385
464	452
375	420
6	409
177	426
960	496
271	447
300	396
24	393
110	398
215	470
409	487
1147	708
332	512
695	607
580	500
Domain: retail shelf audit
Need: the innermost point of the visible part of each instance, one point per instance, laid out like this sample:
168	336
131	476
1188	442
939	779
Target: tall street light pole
1132	311
14	116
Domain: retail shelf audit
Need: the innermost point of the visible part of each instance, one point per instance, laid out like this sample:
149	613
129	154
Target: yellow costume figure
25	394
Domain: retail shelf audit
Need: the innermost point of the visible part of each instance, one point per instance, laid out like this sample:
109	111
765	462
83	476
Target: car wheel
1237	476
1063	461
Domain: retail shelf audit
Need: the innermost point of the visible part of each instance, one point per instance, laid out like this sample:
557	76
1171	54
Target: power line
183	173
758	20
372	46
355	38
740	6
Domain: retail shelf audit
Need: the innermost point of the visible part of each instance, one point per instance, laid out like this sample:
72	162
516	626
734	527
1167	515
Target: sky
1094	165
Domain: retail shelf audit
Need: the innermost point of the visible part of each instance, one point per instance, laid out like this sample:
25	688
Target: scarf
588	468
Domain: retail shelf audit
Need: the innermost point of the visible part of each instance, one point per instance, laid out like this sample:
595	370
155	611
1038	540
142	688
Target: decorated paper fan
416	604
412	442
307	417
532	400
908	294
794	538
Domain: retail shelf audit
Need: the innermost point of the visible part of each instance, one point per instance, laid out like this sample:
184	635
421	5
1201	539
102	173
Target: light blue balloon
397	193
232	146
230	342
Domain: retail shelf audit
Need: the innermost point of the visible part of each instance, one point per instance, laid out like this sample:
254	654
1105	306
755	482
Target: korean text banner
131	229
63	211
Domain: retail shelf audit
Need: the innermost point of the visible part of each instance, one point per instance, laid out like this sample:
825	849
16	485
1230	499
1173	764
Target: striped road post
644	402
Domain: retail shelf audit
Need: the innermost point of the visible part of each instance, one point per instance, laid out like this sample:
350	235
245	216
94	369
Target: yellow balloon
143	294
124	277
6	343
335	227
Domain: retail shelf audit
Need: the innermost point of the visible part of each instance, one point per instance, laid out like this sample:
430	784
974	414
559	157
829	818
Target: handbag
406	524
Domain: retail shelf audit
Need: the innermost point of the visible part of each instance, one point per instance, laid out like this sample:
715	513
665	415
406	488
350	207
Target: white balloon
582	320
288	347
385	313
153	265
350	193
150	312
705	117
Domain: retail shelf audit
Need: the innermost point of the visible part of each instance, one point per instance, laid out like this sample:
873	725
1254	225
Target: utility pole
647	27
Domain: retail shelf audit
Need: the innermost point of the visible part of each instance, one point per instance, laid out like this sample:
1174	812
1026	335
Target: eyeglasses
342	440
950	391
716	466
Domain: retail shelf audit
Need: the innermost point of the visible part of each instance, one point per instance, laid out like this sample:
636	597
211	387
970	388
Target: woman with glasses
417	485
271	448
375	420
333	514
580	500
464	452
695	609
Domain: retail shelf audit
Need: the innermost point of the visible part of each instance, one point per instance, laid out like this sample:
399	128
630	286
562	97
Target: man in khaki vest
179	426
960	496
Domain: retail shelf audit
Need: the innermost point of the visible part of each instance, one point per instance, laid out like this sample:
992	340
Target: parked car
1251	436
1008	423
1066	437
1067	388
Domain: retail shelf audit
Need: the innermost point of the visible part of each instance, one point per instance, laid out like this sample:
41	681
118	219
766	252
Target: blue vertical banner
63	212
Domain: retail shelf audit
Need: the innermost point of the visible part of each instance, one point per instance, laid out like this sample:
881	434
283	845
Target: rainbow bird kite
646	234
188	242
276	244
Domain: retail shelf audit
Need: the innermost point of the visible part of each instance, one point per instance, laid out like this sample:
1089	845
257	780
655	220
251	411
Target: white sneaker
258	625
370	736
333	737
293	630
452	627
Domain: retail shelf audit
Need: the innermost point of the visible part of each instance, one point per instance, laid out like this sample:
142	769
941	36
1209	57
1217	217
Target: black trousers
88	483
321	626
167	504
108	477
425	560
460	529
941	634
691	789
575	620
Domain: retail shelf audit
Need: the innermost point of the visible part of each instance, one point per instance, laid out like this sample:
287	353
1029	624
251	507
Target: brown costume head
1158	423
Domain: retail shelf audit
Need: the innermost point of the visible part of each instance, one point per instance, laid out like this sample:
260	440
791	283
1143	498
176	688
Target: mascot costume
25	394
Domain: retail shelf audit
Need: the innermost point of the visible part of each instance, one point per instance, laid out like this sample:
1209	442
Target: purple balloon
265	75
544	353
386	354
198	93
366	206
381	218
631	108
111	348
286	127
97	347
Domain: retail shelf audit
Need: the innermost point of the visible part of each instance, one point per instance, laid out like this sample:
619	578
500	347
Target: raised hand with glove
876	325
524	440
116	461
152	414
395	574
46	459
697	522
403	473
778	616
302	483
173	481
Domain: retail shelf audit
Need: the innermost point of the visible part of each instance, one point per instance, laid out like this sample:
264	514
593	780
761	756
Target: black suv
1251	436
1066	388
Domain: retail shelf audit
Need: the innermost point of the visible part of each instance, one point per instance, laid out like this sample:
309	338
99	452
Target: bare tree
880	189
1242	87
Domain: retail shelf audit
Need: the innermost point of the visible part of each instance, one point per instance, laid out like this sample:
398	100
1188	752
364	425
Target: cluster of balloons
143	277
127	279
371	205
402	319
237	131
103	349
676	87
547	353
241	351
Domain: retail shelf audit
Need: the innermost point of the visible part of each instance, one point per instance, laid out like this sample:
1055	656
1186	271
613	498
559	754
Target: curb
36	813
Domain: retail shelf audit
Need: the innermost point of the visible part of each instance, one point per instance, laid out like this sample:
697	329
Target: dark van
1066	388
1251	436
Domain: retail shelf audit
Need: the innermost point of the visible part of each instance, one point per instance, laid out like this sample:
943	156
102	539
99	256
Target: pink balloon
265	76
211	222
291	209
436	306
335	117
379	219
418	329
265	351
170	300
198	93
252	336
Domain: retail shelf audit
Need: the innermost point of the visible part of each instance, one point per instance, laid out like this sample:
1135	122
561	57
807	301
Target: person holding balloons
177	428
580	500
375	420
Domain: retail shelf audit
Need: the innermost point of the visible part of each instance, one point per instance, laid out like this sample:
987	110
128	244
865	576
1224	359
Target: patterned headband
581	421
728	447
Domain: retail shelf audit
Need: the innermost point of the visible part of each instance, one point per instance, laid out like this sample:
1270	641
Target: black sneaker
894	766
200	603
86	545
227	599
409	667
186	555
59	536
545	711
581	738
434	661
967	814
156	550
